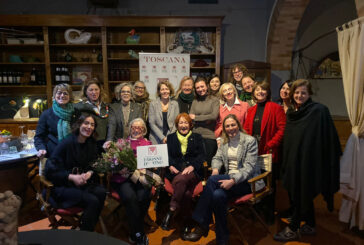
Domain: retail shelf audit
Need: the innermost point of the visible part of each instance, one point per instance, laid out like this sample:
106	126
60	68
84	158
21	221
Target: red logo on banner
152	150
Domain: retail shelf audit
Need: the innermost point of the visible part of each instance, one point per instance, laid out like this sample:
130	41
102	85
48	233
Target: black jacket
195	154
311	155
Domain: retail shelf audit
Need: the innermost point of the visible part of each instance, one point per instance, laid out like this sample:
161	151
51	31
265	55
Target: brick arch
284	23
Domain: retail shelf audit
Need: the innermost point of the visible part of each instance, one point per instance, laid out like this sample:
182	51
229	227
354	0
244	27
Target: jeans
214	200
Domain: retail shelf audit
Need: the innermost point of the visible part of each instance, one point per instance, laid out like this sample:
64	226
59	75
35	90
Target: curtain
351	51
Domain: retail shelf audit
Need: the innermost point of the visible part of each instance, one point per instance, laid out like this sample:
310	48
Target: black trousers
92	202
136	199
210	146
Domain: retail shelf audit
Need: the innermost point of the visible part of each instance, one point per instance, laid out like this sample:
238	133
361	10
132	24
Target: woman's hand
215	171
87	175
107	144
192	116
164	140
218	142
41	153
188	170
173	170
77	179
227	183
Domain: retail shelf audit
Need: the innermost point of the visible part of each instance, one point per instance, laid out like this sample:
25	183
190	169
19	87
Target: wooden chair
250	200
58	216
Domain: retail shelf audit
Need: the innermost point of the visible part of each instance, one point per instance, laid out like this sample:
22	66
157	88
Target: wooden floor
329	230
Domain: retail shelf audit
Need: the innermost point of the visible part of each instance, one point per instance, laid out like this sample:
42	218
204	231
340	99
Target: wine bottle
57	76
33	77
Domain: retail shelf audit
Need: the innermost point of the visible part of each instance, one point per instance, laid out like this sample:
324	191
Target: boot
167	220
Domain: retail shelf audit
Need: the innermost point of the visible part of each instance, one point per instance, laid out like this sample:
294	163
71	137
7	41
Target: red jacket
272	128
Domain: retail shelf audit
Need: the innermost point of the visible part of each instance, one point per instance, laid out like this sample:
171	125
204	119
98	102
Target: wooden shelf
202	68
22	63
123	59
22	45
22	90
65	45
133	45
212	55
76	63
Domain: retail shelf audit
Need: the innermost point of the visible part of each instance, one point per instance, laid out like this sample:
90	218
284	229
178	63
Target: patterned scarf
64	122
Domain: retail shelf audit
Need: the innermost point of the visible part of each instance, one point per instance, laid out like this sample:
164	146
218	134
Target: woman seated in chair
186	157
238	155
135	196
69	169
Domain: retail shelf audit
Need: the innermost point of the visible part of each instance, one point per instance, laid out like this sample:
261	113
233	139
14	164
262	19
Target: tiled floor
330	230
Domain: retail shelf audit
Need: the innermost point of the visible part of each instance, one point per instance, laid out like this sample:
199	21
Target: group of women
227	125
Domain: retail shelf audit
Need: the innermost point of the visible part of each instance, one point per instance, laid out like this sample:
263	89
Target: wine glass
23	137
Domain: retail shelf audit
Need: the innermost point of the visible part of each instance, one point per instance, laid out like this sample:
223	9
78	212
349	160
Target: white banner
154	67
152	156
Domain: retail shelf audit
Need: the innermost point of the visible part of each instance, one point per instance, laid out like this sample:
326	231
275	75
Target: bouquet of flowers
120	155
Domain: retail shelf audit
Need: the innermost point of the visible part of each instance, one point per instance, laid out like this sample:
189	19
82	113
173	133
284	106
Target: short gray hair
63	87
138	120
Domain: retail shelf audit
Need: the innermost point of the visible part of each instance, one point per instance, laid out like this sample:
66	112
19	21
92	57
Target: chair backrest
265	162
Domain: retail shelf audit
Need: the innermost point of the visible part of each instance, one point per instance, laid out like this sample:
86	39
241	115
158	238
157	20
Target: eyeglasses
137	87
237	72
227	90
137	127
64	93
125	92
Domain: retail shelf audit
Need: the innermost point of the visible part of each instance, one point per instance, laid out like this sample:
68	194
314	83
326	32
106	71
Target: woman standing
94	103
238	154
266	122
69	169
214	85
311	159
237	72
246	95
204	112
141	97
230	104
185	94
186	157
135	196
284	99
54	123
162	113
122	113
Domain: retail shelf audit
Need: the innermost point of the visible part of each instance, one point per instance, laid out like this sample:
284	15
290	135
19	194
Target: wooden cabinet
109	55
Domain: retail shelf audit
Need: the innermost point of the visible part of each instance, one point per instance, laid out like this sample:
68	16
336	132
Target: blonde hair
183	80
221	95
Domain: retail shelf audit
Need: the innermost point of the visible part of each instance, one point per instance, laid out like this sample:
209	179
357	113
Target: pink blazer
239	110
